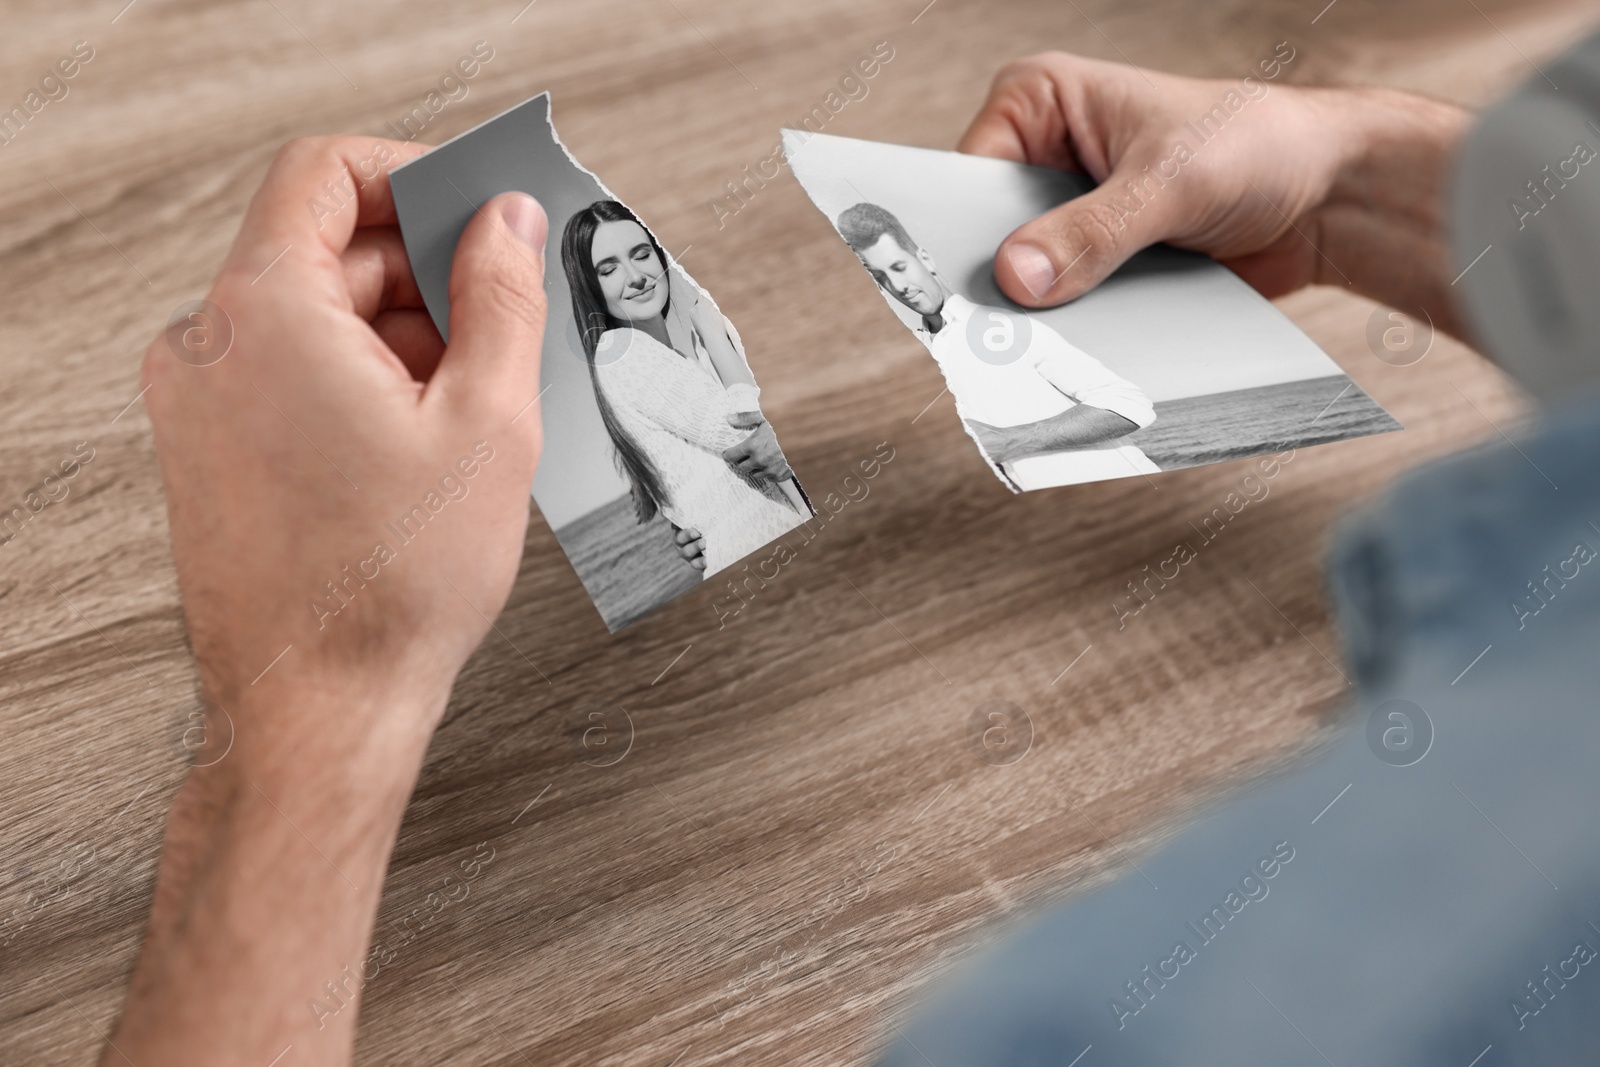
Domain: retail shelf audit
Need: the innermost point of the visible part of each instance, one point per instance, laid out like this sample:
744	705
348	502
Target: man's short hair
861	227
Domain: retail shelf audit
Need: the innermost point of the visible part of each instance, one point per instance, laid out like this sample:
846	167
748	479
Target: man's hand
691	546
347	498
757	456
1359	172
1078	427
335	415
994	440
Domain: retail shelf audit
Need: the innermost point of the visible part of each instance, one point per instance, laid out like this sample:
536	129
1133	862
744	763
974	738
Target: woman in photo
673	391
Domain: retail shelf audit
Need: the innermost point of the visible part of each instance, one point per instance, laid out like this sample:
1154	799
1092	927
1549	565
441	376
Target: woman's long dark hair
592	319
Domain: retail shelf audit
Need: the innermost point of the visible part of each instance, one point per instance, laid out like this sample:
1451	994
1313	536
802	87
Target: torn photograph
1171	362
653	430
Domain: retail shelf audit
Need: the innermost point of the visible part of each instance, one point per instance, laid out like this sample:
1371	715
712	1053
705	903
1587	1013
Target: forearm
1383	226
332	672
1078	427
708	322
725	359
270	877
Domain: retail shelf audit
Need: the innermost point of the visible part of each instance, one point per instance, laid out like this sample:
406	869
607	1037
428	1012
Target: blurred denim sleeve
1425	889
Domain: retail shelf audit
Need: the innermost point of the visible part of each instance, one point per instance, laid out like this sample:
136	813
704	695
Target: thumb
497	309
1069	250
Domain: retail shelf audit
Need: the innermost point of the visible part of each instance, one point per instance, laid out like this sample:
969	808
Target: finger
993	132
1065	252
411	335
746	420
497	311
378	273
698	563
317	191
1025	117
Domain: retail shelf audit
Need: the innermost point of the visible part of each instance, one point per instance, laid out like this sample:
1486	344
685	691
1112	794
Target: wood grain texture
799	834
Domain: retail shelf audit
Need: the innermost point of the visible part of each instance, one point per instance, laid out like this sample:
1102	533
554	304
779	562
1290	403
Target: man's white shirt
1047	377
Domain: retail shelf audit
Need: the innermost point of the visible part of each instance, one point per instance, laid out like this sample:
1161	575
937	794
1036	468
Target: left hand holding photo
348	498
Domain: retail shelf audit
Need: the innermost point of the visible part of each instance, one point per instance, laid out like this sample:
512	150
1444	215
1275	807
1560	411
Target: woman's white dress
678	416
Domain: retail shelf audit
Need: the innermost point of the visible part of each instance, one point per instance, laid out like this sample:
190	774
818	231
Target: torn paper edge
789	157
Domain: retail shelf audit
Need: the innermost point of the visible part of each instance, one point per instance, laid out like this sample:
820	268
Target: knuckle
299	150
1025	66
1034	73
1009	71
1097	226
322	155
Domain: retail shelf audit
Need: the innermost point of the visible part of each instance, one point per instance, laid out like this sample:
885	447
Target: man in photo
1043	411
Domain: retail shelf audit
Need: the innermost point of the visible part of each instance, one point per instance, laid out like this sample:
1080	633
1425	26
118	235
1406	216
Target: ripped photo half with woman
659	467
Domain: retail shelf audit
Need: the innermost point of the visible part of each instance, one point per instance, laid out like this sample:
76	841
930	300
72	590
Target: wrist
341	737
1007	446
1394	150
265	832
1384	220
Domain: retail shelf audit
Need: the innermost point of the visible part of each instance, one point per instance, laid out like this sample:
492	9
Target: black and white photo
659	468
1172	362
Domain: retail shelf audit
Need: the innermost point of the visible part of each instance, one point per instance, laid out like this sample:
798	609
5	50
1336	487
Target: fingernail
1033	268
524	217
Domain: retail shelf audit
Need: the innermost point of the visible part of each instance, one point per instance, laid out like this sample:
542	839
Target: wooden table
797	833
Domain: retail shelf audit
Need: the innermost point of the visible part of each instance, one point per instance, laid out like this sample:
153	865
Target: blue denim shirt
1423	890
